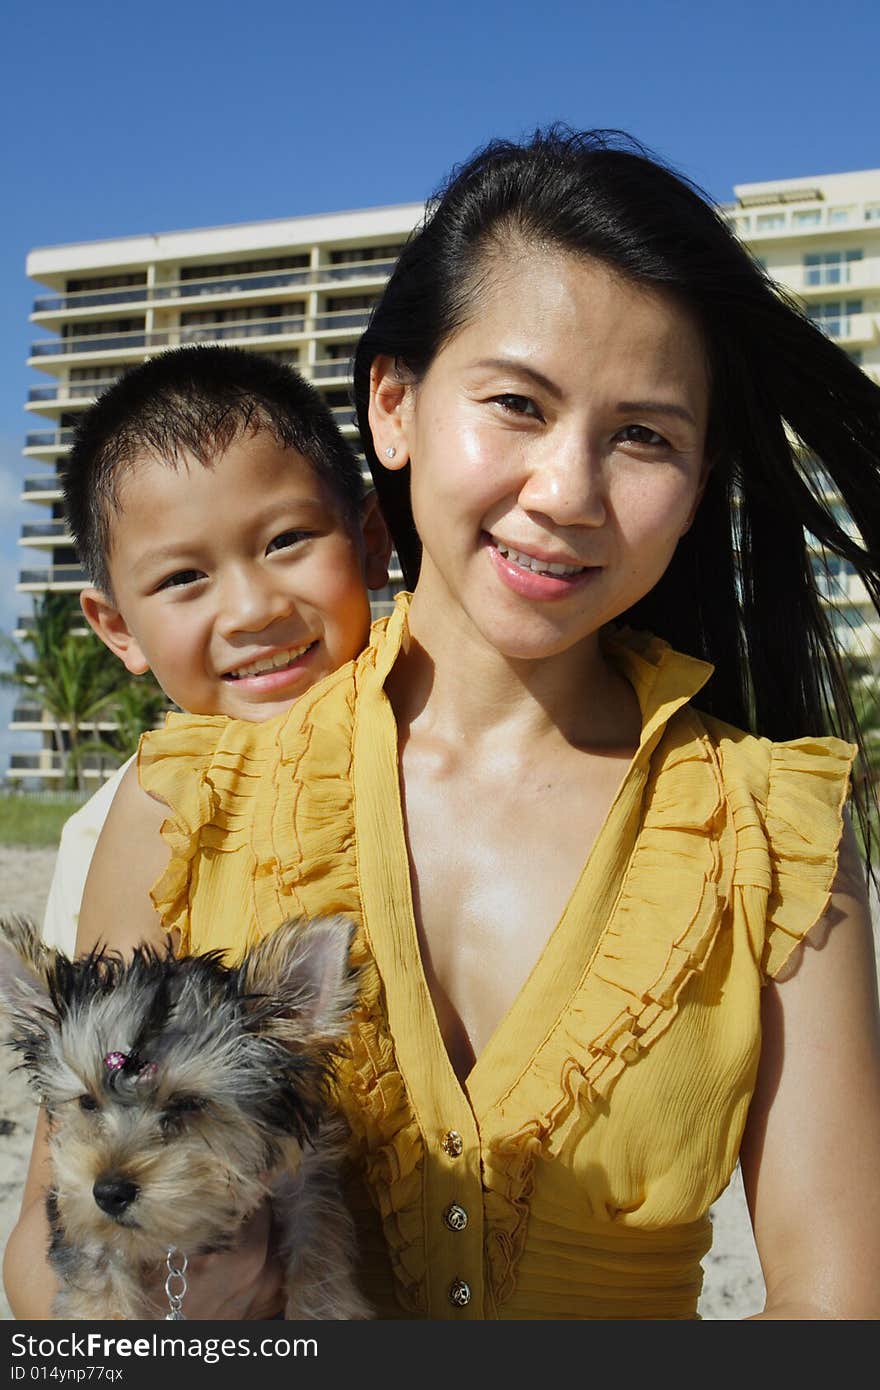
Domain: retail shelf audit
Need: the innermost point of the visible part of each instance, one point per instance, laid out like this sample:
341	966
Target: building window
352	254
838	217
872	212
242	314
855	355
834	316
769	221
807	217
833	567
98	372
283	359
95	328
829	267
845	620
338	304
250	267
106	282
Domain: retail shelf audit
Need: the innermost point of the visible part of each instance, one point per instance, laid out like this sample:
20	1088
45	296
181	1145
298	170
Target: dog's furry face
173	1086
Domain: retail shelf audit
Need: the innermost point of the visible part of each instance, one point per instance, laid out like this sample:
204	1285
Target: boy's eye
517	405
287	539
180	578
641	434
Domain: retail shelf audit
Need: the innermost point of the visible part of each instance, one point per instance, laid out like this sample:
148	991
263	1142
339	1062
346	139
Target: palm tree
73	676
137	707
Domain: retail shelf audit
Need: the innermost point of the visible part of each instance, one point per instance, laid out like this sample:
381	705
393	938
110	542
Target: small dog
177	1091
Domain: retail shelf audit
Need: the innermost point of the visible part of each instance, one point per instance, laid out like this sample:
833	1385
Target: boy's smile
239	584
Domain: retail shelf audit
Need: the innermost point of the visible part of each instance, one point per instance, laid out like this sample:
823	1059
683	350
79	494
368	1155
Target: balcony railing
45	530
34	714
25	624
46	482
69	390
89	390
341	319
219	285
27	714
53	576
851	328
331	369
49	439
54	347
52	762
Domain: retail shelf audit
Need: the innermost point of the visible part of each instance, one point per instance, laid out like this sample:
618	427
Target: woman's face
557	450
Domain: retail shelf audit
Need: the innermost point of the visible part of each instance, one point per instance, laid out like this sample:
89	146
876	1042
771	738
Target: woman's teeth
270	663
528	562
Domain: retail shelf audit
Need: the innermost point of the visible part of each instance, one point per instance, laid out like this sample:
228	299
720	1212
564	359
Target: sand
733	1287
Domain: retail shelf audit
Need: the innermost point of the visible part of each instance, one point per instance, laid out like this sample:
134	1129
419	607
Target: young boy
222	520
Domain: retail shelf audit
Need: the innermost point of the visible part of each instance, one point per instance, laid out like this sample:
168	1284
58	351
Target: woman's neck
450	682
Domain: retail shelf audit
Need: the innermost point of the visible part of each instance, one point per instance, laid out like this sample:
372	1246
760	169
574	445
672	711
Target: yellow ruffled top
572	1175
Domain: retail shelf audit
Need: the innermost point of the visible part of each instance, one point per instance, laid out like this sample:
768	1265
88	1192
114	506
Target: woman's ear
105	619
376	542
390	412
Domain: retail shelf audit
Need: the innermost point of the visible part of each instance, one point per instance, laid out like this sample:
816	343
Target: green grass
28	821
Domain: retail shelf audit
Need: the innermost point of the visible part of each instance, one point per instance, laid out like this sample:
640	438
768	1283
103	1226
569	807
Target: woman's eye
641	434
180	578
517	405
286	540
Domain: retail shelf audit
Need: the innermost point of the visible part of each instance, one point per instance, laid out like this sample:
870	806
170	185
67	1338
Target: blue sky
121	118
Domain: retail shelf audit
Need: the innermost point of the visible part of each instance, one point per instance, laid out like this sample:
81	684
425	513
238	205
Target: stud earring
390	452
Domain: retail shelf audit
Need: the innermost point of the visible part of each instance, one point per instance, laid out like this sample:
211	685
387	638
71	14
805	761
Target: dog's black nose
114	1194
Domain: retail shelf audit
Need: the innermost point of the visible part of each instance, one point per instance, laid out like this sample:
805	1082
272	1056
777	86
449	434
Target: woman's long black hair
792	419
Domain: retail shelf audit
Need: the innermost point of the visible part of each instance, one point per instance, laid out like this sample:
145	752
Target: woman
610	941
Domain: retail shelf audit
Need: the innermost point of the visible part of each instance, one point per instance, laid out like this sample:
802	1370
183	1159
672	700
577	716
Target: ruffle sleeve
786	801
807	788
200	767
259	822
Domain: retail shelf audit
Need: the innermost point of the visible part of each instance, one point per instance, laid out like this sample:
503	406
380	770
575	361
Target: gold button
459	1293
452	1144
455	1217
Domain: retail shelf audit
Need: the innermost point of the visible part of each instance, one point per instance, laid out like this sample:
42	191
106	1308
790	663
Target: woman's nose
566	484
250	601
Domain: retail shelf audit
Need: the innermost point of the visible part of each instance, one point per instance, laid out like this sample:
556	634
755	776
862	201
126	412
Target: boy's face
239	585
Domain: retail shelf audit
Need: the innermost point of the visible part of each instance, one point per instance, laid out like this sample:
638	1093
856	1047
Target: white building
302	288
299	289
820	238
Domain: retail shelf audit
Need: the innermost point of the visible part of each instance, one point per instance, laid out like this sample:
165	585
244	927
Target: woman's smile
536	576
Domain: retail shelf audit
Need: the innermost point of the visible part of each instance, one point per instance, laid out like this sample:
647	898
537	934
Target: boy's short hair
195	400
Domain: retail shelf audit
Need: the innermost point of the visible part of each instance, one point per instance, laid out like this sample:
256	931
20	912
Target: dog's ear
300	979
24	968
23	961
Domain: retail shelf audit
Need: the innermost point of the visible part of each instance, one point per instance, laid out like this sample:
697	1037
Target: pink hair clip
120	1061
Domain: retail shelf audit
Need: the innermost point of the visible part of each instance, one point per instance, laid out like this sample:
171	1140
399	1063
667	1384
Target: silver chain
175	1284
